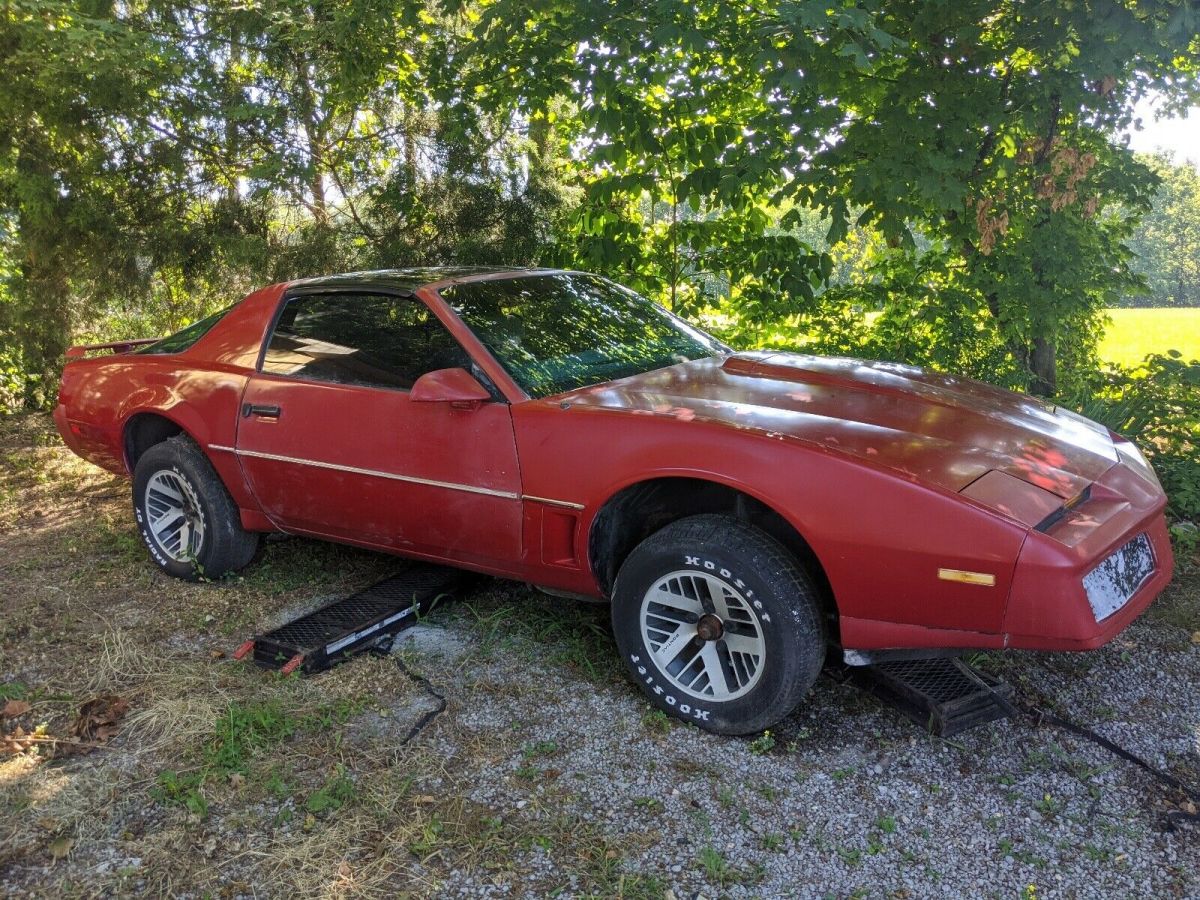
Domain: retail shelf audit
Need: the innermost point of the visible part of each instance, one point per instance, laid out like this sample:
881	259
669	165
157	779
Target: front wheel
186	517
718	624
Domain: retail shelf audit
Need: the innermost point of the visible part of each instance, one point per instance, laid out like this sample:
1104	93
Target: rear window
182	340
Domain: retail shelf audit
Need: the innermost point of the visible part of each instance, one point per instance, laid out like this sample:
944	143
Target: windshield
554	333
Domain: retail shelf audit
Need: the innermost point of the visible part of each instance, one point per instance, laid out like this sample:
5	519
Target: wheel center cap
709	628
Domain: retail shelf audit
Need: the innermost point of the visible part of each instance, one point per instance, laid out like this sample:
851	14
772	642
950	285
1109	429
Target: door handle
254	409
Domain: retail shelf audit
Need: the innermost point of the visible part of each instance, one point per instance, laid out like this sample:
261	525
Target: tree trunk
314	125
1043	368
233	95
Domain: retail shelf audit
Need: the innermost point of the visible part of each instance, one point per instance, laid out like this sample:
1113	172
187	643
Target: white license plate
1110	585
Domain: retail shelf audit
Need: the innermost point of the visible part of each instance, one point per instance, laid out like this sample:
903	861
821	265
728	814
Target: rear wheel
186	517
718	624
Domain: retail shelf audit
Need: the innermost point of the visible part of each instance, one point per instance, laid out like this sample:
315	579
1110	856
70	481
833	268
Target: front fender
882	538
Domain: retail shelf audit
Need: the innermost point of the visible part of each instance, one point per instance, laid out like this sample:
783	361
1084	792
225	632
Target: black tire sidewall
166	458
791	641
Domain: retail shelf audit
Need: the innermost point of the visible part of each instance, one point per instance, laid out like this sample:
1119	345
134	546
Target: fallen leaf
216	654
1196	637
310	822
424	798
14	708
16	742
60	847
1189	807
99	719
237	779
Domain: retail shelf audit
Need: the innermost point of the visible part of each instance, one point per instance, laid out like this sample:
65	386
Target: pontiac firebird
743	513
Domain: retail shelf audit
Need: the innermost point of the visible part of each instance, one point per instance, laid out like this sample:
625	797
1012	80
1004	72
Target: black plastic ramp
943	695
321	639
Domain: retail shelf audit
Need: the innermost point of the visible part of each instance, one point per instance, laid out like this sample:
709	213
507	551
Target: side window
367	339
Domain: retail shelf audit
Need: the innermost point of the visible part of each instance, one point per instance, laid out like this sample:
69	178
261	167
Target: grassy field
1136	332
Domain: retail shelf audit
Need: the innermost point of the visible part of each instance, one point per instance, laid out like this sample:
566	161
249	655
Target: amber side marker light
981	578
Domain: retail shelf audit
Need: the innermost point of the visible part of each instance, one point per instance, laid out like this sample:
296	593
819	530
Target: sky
1180	136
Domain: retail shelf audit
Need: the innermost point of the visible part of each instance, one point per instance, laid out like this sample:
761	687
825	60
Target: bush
1156	404
16	384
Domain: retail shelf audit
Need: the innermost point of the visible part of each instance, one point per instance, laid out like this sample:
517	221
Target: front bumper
1048	607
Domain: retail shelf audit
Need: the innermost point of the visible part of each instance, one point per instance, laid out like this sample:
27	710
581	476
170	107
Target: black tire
222	545
766	584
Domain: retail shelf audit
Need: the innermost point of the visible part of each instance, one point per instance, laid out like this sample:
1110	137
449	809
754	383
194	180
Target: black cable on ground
1039	716
432	714
384	648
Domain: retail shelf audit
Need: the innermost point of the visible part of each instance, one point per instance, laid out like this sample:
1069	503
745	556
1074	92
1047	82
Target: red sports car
741	511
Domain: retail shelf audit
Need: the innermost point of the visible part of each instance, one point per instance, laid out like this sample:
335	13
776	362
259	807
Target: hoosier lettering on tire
718	624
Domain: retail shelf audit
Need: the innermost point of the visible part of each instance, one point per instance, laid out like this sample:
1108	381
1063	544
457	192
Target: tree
982	126
1166	243
159	159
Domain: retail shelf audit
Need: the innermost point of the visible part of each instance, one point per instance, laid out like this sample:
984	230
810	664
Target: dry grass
317	796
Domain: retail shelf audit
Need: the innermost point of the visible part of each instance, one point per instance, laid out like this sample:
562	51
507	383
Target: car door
332	444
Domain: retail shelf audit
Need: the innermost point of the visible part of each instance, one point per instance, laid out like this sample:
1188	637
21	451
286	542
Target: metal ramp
943	695
321	639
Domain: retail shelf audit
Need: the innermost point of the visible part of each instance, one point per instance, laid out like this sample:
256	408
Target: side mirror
454	386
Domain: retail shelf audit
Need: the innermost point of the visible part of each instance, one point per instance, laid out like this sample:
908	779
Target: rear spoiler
115	346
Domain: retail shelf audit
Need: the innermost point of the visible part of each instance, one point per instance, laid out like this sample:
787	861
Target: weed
183	790
575	635
541	748
849	856
656	722
717	869
1097	854
243	730
528	773
333	794
13	690
772	841
1048	806
430	838
763	744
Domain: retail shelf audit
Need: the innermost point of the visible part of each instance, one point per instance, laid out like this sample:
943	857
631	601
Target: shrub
1156	404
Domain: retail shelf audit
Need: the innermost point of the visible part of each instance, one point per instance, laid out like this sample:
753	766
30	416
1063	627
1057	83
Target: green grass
1136	332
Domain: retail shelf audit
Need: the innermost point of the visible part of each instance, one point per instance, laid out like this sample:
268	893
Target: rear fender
209	418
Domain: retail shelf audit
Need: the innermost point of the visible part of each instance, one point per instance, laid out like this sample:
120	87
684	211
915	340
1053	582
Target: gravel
852	799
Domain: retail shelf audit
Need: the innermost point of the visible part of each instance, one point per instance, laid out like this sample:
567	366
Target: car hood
936	428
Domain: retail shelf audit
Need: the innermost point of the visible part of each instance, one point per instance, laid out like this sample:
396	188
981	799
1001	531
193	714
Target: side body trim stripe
412	479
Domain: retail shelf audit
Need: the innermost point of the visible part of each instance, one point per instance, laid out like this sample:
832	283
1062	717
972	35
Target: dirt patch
545	772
